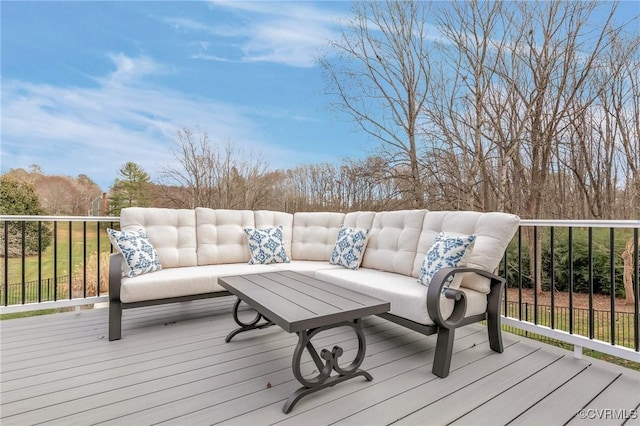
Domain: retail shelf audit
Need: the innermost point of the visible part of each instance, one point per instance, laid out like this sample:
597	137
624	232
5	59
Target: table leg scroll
246	326
326	362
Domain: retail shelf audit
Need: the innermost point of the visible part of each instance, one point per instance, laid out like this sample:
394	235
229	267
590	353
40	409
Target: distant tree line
56	195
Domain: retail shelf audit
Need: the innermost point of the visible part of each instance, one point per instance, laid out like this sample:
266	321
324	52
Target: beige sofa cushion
307	267
272	219
221	236
494	231
314	235
393	241
186	281
172	233
408	299
202	279
359	220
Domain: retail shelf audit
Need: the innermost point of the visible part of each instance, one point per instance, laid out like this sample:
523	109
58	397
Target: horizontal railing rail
587	258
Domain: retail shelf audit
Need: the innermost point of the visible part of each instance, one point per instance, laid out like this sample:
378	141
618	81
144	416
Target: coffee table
306	306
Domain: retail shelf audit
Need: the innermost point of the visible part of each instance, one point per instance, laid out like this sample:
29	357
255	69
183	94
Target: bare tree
86	191
555	59
624	93
380	78
210	175
57	194
460	119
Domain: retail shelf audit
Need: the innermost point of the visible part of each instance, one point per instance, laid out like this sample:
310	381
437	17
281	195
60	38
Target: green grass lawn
624	329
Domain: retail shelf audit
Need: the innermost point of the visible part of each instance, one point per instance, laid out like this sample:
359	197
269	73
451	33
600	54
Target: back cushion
172	233
393	241
494	232
271	219
359	220
221	236
314	235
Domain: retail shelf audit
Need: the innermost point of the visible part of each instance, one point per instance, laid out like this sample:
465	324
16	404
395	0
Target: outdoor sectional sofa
196	247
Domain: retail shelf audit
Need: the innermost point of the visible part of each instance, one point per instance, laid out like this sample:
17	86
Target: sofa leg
494	325
115	320
494	328
444	352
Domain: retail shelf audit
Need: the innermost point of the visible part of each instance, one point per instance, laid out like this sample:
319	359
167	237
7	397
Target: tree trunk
627	272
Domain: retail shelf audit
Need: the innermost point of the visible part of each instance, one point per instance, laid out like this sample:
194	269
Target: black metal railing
64	261
596	259
47	289
52	259
623	323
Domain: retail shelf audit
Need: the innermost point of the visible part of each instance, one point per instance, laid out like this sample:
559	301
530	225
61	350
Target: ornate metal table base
246	326
326	362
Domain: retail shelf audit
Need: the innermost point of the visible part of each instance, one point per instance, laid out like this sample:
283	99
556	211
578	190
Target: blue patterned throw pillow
448	251
137	250
349	248
266	245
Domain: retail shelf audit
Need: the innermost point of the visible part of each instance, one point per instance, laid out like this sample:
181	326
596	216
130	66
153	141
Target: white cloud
94	130
284	33
130	69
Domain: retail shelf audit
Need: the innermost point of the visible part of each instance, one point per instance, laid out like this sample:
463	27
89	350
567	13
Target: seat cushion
408	299
188	281
308	267
185	281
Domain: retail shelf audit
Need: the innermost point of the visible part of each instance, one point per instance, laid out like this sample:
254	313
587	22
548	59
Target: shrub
601	262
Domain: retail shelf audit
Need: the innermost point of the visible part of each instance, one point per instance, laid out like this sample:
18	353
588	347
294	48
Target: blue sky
88	86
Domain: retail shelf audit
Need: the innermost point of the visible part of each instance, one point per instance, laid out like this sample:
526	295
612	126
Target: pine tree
131	189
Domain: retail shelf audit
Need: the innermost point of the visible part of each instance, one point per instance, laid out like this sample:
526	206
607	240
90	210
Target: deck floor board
173	367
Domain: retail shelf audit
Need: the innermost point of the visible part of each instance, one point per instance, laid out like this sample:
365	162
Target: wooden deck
172	366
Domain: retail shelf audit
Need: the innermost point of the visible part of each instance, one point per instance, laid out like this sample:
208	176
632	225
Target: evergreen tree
20	198
131	189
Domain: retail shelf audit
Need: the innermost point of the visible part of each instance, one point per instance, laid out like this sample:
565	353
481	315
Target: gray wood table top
298	302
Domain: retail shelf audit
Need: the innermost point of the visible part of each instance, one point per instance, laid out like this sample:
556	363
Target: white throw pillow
137	250
349	248
448	251
266	245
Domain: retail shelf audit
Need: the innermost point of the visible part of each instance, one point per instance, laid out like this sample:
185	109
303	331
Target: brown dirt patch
601	302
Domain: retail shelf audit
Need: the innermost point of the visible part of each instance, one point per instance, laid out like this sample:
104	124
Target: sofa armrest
115	276
460	306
